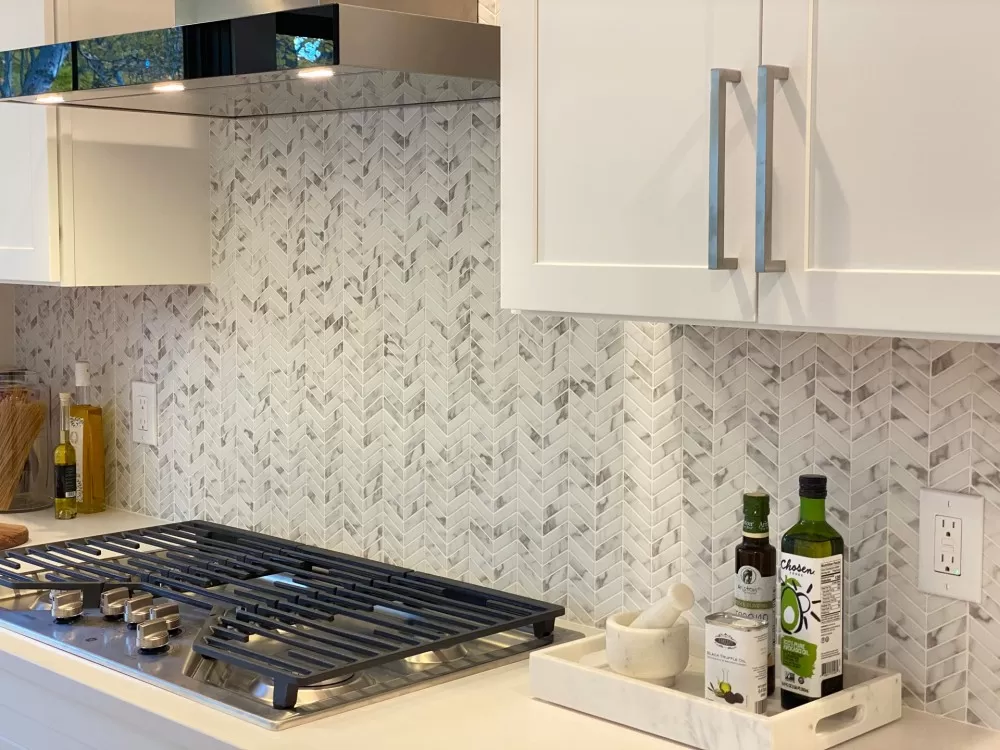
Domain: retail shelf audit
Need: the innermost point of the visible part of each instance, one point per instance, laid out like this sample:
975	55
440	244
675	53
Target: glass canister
35	490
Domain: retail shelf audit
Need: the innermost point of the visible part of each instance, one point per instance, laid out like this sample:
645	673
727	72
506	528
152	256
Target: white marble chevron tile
349	379
652	556
984	619
851	448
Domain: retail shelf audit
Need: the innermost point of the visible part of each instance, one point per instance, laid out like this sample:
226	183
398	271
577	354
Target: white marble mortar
656	655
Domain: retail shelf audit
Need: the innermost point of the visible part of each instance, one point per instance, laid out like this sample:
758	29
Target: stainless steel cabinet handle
766	76
717	259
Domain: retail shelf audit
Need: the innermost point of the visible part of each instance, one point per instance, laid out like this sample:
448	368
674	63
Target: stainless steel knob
153	635
66	604
113	602
137	609
169	612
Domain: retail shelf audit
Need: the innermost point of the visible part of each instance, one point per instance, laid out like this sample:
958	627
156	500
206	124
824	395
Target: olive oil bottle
64	458
756	571
810	601
86	432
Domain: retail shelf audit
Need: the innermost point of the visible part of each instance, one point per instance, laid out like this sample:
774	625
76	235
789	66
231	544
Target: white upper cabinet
26	23
29	209
29	222
608	125
95	197
857	181
886	165
86	19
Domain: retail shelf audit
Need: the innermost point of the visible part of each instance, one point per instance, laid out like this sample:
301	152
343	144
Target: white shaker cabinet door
607	122
28	169
886	166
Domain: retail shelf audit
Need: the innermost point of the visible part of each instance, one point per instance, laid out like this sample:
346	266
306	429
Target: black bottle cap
812	485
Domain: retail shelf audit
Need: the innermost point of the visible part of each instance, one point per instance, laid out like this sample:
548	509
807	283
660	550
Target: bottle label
755	599
811	616
66	482
76	440
736	665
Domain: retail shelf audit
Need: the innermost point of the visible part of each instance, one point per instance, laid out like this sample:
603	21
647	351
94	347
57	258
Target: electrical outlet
144	427
951	545
948	545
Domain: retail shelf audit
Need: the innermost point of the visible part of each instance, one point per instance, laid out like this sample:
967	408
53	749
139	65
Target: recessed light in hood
327	57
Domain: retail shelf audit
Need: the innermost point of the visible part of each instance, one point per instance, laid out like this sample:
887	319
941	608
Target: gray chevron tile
350	379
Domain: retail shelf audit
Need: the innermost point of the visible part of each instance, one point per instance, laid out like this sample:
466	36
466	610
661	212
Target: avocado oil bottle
810	601
756	571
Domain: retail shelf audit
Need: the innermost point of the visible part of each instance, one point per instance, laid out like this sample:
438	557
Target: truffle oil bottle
64	459
756	571
86	431
810	601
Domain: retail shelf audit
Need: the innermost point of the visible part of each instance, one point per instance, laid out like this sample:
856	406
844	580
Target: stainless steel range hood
277	57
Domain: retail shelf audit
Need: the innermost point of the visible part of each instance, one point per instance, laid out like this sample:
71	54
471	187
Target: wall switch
144	411
951	545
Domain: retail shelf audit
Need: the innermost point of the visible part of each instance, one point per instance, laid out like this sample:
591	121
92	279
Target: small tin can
736	661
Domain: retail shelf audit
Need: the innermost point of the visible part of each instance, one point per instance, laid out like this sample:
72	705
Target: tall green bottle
810	601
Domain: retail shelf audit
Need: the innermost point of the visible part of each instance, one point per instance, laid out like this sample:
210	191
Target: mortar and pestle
652	645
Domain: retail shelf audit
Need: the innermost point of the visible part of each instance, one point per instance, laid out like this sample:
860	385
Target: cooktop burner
269	630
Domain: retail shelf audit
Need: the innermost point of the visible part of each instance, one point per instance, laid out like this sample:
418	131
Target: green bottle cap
756	506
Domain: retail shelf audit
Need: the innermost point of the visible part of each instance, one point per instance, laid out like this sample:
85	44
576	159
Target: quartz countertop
99	708
43	528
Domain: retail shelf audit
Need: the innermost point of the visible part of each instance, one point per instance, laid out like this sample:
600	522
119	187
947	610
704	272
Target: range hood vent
328	57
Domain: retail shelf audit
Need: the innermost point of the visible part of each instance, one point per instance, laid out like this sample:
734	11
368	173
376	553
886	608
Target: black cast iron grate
287	611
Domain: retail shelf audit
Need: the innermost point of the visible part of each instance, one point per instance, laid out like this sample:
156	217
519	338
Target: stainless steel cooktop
278	642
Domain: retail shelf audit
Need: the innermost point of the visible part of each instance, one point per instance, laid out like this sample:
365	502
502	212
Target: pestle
665	612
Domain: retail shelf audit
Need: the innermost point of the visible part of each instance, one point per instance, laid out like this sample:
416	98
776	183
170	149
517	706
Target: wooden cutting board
11	535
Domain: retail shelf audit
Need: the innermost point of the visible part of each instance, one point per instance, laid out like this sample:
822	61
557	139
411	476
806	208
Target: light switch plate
936	507
144	412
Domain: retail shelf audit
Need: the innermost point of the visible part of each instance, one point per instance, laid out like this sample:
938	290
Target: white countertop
488	711
43	528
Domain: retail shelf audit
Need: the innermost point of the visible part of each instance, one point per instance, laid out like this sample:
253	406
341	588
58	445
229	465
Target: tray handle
841	715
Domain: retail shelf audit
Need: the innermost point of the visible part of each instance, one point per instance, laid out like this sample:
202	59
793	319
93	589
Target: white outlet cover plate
969	508
144	393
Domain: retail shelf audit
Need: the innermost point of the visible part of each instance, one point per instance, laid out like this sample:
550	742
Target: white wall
6	325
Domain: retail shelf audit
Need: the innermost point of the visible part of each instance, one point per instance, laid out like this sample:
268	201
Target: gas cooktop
274	632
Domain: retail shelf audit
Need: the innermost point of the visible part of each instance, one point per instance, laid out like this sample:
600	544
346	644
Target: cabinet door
86	19
886	166
28	200
135	200
606	157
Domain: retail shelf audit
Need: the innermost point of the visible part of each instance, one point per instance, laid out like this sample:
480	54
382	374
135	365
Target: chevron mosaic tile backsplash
350	380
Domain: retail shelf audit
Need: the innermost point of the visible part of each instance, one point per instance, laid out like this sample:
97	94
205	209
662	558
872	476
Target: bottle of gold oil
87	437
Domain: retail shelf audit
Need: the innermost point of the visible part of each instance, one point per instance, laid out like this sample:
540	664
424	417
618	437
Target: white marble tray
576	675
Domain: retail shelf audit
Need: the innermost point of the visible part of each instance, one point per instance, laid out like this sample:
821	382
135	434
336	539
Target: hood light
168	87
316	73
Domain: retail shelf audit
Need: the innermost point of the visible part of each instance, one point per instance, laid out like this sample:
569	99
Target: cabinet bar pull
717	259
766	76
